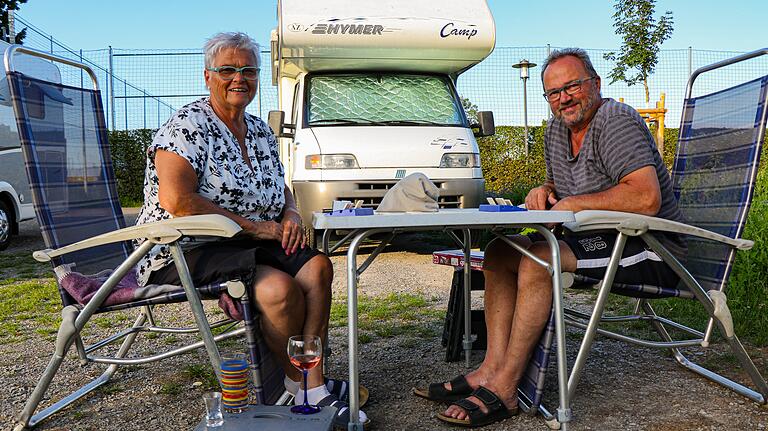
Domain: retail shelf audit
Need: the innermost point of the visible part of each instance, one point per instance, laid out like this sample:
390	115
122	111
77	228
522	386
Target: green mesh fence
146	86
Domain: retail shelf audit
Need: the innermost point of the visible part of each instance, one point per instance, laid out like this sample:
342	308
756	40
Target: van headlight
331	161
460	160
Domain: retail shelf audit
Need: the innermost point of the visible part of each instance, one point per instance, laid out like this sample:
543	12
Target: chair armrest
601	220
161	232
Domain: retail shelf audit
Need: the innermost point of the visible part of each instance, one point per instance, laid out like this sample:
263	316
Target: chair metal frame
75	317
714	301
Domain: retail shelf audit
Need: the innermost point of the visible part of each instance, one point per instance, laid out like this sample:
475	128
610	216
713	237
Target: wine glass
305	352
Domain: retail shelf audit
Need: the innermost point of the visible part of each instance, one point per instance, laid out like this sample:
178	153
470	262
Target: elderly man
600	156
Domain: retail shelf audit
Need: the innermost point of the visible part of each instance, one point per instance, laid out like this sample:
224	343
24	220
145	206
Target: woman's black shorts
230	259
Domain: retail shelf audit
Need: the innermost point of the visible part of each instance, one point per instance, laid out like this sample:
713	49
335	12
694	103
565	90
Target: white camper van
367	95
15	194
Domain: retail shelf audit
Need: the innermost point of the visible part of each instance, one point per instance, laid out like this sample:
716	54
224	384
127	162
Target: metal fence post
81	70
125	104
690	61
112	87
11	27
144	99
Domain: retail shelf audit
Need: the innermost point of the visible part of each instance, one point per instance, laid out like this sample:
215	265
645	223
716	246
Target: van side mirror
276	121
485	124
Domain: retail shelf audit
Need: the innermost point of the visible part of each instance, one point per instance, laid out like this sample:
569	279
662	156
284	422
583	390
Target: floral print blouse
197	134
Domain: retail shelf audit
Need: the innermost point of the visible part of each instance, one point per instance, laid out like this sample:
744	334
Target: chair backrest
715	170
68	164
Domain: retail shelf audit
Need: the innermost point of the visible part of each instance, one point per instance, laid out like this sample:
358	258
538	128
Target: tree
5	7
470	109
634	21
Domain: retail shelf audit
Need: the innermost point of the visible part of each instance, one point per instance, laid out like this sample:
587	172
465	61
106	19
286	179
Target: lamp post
524	65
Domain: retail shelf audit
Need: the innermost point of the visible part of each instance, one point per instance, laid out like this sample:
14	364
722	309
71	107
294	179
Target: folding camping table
448	220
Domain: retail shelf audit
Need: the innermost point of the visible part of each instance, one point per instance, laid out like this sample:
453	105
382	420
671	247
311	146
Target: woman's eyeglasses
228	73
570	89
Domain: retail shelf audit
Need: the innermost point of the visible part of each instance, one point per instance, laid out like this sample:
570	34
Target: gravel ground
632	389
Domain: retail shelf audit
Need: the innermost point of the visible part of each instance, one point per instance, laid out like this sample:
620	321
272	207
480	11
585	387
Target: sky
170	24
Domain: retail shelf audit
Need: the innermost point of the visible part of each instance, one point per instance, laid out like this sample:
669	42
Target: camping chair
714	173
68	164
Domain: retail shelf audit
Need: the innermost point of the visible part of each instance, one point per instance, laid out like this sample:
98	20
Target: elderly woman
212	157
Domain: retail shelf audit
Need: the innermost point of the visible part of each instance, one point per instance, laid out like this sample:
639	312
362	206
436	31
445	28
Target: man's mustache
562	107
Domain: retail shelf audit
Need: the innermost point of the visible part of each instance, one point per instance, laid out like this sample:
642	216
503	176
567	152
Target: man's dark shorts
231	259
639	264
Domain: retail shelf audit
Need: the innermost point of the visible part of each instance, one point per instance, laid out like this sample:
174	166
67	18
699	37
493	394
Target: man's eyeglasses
570	89
228	73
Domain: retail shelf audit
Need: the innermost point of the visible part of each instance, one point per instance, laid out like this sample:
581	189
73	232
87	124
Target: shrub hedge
509	173
128	148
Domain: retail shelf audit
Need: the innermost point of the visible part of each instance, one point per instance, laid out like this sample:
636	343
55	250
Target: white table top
457	218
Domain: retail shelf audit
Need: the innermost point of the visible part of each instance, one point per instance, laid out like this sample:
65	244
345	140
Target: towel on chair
83	287
413	193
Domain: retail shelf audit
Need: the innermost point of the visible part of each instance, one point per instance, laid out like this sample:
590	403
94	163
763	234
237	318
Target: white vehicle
15	194
370	90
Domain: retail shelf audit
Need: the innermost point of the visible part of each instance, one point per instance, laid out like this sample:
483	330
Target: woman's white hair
221	41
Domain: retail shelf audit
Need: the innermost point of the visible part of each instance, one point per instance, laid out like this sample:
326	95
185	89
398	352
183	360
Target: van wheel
6	221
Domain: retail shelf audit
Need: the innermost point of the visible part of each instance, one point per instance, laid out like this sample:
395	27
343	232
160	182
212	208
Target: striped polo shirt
617	143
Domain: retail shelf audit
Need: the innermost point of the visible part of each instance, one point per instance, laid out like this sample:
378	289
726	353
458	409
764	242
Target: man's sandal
437	392
340	388
341	419
497	411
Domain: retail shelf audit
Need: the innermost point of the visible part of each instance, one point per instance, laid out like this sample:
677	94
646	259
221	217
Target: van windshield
382	99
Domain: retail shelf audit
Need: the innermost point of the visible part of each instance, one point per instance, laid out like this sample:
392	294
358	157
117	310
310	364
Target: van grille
373	202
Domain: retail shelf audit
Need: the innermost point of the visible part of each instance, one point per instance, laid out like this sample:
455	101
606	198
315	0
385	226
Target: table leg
564	410
352	274
467	297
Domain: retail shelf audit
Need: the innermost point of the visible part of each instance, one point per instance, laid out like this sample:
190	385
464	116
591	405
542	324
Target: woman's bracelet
293	209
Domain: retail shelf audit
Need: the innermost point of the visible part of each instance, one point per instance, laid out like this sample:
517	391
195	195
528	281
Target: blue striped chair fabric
715	170
69	167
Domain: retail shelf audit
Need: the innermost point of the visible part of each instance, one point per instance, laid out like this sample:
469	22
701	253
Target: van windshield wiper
346	121
413	123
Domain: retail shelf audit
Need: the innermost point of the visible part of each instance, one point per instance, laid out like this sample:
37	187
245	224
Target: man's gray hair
221	41
570	52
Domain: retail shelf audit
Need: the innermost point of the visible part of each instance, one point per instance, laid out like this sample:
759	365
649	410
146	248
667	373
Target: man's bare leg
534	300
500	272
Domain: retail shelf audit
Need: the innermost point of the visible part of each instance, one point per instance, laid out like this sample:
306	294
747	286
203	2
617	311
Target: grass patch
171	388
201	373
110	320
110	388
182	381
33	303
21	266
393	315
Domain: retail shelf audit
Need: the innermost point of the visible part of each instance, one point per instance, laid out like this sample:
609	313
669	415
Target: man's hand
293	232
539	197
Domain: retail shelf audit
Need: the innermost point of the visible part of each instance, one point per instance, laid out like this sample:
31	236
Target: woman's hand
293	232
